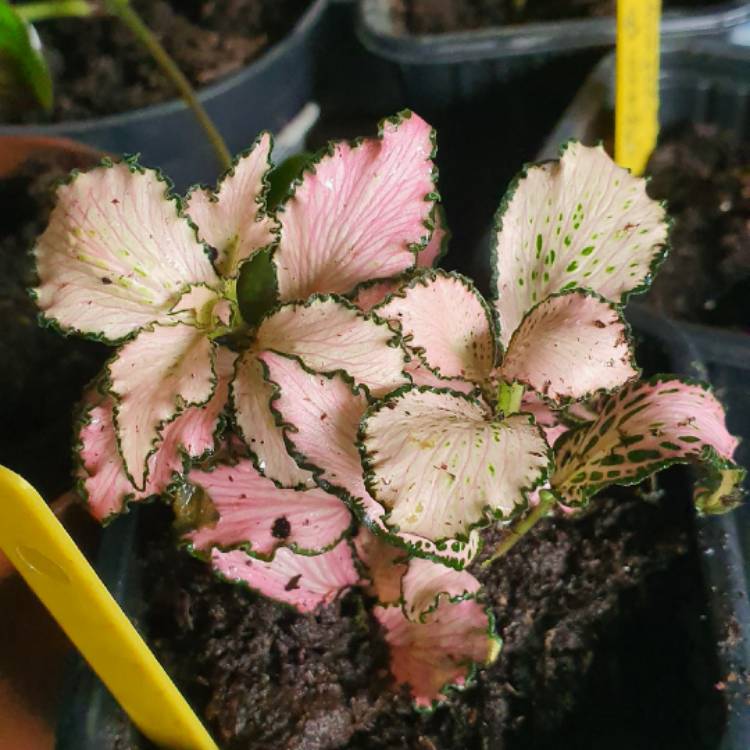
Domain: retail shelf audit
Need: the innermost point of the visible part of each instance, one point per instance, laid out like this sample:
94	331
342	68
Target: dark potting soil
606	644
443	16
99	68
42	374
704	175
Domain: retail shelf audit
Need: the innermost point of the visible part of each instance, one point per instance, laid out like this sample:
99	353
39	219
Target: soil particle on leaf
99	68
704	175
436	16
601	619
42	374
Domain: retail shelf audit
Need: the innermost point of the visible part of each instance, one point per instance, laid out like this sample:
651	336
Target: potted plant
341	428
140	114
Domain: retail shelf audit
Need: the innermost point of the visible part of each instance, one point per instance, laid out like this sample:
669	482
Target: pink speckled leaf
385	566
192	433
234	219
446	322
155	377
441	651
116	254
251	398
570	346
548	420
442	465
643	428
329	335
302	581
322	431
370	295
437	246
580	222
426	583
421	375
361	212
253	511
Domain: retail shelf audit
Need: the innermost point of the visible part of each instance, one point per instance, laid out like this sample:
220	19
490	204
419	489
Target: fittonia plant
313	442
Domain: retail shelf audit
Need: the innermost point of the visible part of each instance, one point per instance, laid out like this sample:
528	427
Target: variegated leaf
570	346
643	428
359	213
426	584
440	652
254	512
305	582
580	222
322	432
441	464
385	565
116	254
330	335
233	220
446	322
154	377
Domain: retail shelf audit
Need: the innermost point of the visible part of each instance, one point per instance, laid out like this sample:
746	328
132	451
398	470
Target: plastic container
266	95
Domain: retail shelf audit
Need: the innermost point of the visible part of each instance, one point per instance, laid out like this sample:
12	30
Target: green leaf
25	79
257	287
284	175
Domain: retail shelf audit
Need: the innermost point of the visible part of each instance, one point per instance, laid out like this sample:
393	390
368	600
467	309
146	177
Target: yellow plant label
637	85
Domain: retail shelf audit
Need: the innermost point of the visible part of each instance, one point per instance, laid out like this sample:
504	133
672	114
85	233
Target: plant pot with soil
365	505
251	62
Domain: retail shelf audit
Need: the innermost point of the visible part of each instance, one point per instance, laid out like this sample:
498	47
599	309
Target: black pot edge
304	26
377	32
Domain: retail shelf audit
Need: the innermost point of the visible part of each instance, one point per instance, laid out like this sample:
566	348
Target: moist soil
606	644
99	68
42	374
704	175
443	16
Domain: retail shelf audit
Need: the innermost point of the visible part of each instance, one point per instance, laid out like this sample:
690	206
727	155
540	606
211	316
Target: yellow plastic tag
53	566
637	88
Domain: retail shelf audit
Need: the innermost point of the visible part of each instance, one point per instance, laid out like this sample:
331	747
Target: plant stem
48	9
125	12
516	532
509	398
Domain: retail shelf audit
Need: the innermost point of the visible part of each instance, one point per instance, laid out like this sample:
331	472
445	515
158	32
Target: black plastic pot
440	69
266	95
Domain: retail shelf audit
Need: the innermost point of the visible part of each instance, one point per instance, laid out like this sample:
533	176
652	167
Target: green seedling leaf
257	287
25	79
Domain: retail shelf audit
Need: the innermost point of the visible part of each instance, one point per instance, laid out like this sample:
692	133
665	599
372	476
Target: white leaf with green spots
582	222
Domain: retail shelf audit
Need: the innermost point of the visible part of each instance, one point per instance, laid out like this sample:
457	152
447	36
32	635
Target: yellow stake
637	90
53	566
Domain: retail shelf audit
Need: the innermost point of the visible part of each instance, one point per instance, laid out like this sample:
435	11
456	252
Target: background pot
265	95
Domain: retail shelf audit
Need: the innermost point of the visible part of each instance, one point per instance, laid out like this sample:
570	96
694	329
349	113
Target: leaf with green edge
440	652
385	565
259	516
304	582
580	222
446	322
570	346
321	433
442	465
647	426
257	287
23	67
280	178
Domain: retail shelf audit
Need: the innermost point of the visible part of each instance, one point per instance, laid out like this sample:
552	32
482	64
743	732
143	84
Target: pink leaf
116	254
437	246
154	377
251	399
385	566
643	428
426	584
234	219
101	472
580	222
304	582
440	652
322	432
442	465
420	375
446	322
370	295
360	213
254	511
329	335
548	420
570	346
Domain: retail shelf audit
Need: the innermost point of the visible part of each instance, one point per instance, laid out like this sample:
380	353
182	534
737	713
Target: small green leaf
25	79
257	287
284	175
